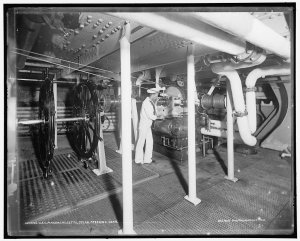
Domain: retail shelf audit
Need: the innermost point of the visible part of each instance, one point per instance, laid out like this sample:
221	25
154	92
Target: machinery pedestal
194	201
101	171
129	233
231	179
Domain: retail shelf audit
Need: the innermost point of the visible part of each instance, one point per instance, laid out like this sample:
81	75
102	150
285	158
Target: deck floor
259	203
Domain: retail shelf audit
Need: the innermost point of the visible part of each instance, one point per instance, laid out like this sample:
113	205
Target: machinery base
129	233
194	201
102	171
231	179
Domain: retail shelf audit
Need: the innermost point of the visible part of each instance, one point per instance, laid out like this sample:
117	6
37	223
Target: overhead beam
247	27
176	25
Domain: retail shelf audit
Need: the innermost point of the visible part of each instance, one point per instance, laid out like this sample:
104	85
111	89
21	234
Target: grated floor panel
261	202
70	185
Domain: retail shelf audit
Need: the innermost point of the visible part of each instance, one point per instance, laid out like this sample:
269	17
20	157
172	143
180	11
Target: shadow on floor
179	175
220	161
114	200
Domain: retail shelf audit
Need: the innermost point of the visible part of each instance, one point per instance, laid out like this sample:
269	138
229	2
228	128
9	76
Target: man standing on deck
147	116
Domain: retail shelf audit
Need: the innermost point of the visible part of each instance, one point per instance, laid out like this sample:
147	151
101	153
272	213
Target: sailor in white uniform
147	116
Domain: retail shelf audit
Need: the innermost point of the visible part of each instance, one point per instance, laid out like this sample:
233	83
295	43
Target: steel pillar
55	112
102	168
230	141
135	119
126	131
191	88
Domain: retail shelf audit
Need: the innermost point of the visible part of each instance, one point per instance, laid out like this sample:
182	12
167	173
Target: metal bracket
240	114
126	31
253	89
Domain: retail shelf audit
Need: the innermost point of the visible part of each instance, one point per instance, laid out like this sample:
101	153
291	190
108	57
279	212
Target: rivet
72	30
100	20
89	20
110	23
94	36
89	17
100	32
98	42
86	23
107	25
126	22
94	45
119	27
102	39
104	28
95	25
76	32
107	35
83	46
79	49
112	31
81	26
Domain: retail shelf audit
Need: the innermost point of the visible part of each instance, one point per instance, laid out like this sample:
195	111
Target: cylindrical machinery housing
216	101
175	127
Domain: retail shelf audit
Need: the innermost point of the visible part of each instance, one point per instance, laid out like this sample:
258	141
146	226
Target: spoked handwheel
85	132
46	129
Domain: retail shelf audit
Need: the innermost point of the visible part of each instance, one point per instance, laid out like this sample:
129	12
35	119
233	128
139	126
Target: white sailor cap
153	90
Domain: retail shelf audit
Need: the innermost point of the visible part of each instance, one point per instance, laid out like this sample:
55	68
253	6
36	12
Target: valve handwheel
85	132
46	129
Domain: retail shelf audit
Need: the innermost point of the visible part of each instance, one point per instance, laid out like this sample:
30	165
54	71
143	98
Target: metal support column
230	140
55	111
191	88
135	119
158	71
119	121
102	168
126	131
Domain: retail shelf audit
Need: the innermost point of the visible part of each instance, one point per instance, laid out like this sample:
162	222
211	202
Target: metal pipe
126	131
71	119
250	82
219	133
192	195
30	122
249	28
239	105
41	80
230	150
178	25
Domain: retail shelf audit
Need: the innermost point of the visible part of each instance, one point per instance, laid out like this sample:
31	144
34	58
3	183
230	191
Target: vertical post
191	88
55	111
230	147
119	121
126	131
135	119
102	168
158	71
